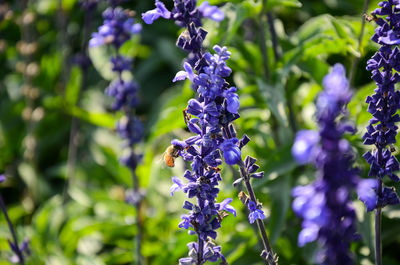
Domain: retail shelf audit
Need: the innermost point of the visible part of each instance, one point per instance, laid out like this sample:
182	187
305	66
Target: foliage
87	221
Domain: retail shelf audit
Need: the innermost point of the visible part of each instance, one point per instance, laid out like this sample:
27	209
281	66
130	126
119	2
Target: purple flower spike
118	27
325	205
383	105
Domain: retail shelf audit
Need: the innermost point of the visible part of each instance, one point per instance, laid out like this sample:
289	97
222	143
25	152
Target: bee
170	154
221	215
244	198
216	169
186	116
215	136
369	18
392	148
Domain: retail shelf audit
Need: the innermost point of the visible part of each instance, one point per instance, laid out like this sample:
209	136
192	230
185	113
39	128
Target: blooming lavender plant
214	110
20	251
118	28
383	105
325	205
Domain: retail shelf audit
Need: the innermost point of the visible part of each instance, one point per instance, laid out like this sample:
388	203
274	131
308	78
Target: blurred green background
88	221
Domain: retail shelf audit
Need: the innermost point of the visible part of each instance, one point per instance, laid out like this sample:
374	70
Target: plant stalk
360	38
139	225
12	230
378	241
274	38
260	224
378	218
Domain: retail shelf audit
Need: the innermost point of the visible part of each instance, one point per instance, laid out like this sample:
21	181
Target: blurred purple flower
325	204
2	178
212	12
305	147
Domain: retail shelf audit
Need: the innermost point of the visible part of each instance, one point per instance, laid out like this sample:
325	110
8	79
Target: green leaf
37	186
275	99
278	163
235	15
100	57
365	224
100	119
167	115
280	196
73	86
287	3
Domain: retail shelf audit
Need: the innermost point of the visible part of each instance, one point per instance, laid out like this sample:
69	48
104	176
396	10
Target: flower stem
378	218
271	259
378	241
274	38
356	58
263	45
14	235
139	225
200	251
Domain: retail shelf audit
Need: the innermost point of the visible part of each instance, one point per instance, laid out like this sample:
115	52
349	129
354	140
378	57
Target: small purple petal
304	147
178	185
211	12
366	193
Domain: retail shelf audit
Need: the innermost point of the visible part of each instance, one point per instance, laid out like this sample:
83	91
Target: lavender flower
325	205
255	212
383	105
118	28
210	117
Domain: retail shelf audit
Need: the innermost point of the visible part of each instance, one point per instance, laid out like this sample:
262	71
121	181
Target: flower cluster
383	105
325	205
119	27
208	110
210	117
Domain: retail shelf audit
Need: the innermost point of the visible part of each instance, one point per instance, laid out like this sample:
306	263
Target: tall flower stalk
383	105
209	116
326	204
18	250
118	28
